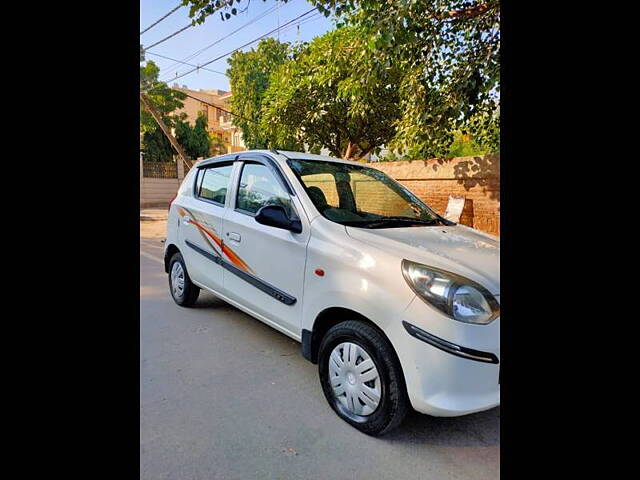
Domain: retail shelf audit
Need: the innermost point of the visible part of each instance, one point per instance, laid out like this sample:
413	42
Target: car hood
458	249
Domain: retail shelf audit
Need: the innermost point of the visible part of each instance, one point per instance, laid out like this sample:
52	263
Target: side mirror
276	216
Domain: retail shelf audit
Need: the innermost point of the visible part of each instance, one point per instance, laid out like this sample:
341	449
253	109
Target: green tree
249	74
194	139
326	98
464	145
201	9
155	145
216	145
448	52
164	99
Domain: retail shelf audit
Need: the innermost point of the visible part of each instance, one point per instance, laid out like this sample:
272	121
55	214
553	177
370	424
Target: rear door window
213	183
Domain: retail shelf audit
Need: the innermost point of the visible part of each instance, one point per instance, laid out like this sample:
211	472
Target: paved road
223	396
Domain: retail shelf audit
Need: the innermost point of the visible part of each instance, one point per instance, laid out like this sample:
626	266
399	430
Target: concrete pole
141	170
156	116
180	170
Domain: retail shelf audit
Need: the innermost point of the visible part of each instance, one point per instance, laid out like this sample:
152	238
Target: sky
195	38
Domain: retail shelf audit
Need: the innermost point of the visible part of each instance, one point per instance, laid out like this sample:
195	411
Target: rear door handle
234	236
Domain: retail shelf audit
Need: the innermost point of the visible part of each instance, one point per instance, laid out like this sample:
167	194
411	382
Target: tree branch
347	152
467	12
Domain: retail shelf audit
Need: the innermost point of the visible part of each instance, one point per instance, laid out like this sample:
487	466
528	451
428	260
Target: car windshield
360	196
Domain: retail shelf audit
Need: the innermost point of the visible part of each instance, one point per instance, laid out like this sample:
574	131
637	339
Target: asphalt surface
224	396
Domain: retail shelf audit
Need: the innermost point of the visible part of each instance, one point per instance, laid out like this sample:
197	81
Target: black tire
394	402
190	292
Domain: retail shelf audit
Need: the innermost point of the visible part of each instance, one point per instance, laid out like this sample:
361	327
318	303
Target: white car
398	307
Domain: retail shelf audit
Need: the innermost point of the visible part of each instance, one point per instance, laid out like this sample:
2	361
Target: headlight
456	296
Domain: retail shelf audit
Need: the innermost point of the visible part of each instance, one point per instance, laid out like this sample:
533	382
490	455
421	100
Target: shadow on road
474	430
208	300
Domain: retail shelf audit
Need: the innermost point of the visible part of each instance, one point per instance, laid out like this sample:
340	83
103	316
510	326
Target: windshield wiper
385	221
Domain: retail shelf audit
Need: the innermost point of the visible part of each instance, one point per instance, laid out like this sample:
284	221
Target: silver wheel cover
177	280
354	379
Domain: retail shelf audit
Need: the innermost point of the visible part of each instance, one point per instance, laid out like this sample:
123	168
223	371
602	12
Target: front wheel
362	378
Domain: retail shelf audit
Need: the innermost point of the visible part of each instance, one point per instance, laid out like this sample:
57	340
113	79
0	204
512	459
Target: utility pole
156	116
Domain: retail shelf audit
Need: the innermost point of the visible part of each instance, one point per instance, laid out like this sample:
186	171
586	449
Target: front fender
357	276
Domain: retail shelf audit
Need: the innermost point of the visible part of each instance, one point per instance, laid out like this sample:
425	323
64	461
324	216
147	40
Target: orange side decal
233	257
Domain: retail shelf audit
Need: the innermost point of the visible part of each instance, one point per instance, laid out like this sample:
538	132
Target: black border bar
449	347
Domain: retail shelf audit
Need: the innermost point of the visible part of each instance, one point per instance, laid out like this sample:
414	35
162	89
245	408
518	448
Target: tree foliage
325	97
199	10
163	98
194	139
464	145
156	147
216	145
448	52
249	74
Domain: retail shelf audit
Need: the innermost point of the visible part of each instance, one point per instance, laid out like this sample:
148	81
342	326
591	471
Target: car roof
282	156
305	156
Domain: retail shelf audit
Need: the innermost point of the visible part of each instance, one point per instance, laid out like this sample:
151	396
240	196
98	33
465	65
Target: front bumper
442	380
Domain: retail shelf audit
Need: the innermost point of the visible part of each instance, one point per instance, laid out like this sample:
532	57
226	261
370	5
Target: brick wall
476	178
373	198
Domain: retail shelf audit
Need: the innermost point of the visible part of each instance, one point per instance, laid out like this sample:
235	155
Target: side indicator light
319	272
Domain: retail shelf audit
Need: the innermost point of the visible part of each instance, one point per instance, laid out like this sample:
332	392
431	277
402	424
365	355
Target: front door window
259	188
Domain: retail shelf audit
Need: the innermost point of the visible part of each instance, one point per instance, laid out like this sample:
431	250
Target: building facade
219	122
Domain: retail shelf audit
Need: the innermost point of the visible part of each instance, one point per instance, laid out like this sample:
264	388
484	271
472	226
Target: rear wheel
183	291
362	378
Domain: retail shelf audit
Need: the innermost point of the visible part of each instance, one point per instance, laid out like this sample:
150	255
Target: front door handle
234	236
186	219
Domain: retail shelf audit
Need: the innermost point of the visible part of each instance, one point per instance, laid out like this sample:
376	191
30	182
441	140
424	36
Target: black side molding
260	284
449	347
211	256
247	277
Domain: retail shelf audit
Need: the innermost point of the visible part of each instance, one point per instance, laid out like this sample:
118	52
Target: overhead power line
312	18
145	92
160	19
170	36
247	44
195	54
185	63
223	5
219	107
